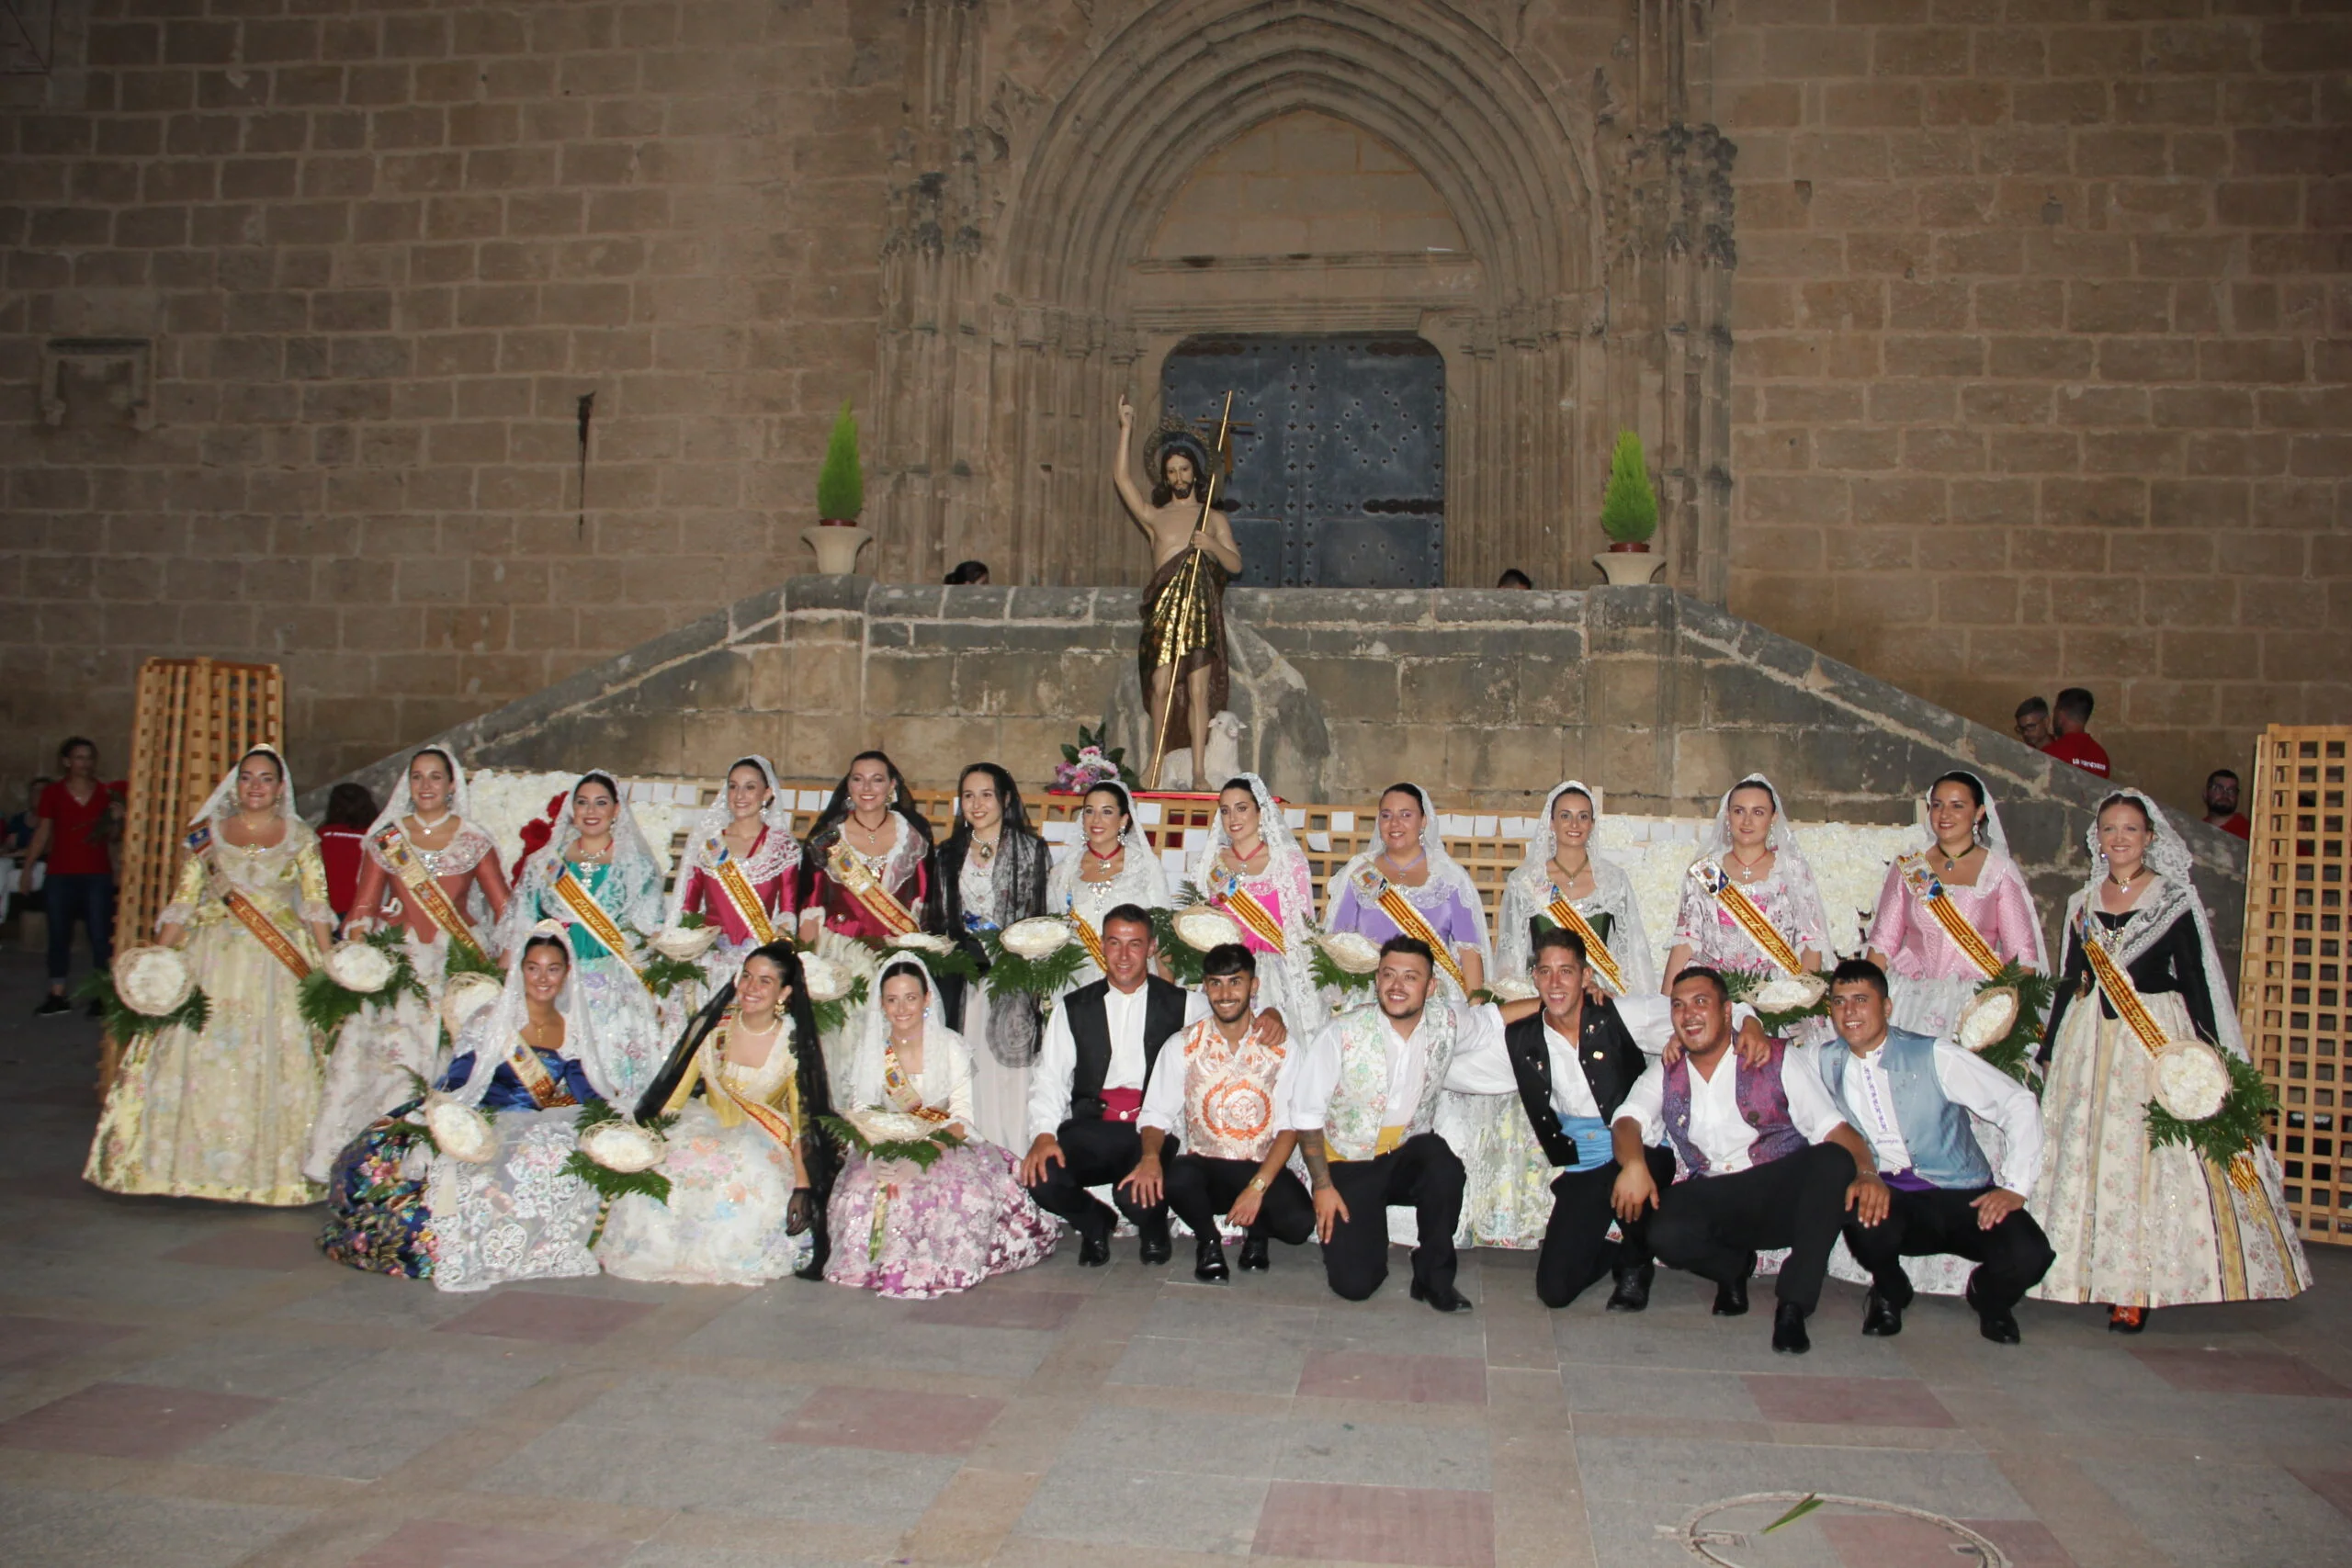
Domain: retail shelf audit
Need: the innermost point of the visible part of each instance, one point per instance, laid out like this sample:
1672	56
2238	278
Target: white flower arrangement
154	981
2191	1082
882	1126
459	1131
685	944
359	966
463	997
828	981
1790	993
1200	928
923	942
1988	1018
624	1147
1511	988
1352	950
1040	936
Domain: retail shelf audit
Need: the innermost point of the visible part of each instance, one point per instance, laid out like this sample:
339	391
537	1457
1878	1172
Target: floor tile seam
843	1374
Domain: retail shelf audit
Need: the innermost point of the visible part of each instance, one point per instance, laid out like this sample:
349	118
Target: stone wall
1486	698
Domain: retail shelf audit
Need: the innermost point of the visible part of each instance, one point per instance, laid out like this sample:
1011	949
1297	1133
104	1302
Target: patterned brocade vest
1228	1094
1360	1105
1763	1105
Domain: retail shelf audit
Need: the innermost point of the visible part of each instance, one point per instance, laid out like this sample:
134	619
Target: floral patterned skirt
376	1214
518	1216
723	1223
914	1234
368	1069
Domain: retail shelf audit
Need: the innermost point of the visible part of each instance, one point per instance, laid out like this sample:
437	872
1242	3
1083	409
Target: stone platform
183	1385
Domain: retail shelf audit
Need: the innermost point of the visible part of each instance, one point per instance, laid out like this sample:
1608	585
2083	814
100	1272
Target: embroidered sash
1409	920
1092	938
588	912
2116	982
1746	916
416	878
902	1090
776	1125
1568	917
1244	907
281	947
1929	890
546	1090
862	885
729	873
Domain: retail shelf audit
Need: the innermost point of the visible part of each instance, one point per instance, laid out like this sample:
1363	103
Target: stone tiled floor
183	1385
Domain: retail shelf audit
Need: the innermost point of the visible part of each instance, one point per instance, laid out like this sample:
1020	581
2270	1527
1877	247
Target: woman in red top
350	810
74	827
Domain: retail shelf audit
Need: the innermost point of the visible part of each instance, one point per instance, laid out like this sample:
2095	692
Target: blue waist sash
1594	1144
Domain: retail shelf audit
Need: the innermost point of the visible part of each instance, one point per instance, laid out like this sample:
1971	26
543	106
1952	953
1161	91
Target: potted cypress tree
1629	517
841	496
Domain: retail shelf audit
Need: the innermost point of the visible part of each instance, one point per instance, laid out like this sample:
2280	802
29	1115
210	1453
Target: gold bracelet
1258	1184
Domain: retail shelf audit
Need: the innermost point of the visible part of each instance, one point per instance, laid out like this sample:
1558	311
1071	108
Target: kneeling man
1224	1088
1912	1097
1764	1157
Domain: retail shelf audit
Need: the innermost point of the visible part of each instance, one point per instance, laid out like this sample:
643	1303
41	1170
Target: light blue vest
1942	1143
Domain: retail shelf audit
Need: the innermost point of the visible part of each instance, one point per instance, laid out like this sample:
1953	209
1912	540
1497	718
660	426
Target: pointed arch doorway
1338	476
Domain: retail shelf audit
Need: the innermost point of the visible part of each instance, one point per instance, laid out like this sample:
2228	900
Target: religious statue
1181	656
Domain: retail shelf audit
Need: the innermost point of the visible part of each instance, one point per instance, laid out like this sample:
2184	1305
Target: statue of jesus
1183	610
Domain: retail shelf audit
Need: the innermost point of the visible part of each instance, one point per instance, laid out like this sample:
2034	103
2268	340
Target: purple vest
1763	1105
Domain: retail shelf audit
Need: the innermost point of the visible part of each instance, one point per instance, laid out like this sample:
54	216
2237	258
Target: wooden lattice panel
194	717
2292	998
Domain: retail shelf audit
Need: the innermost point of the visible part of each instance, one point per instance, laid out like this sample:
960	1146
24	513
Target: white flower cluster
2191	1083
359	966
1038	936
151	980
683	942
623	1146
459	1131
1200	928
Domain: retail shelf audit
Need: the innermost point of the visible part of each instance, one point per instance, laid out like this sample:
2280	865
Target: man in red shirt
73	827
2070	715
2221	804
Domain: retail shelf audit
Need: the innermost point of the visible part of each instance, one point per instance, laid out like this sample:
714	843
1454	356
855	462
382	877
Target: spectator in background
16	831
969	574
2033	723
2070	715
74	823
350	809
19	881
1514	578
2221	804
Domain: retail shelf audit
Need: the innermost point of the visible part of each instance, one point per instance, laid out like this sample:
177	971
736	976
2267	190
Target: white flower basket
359	966
2191	1082
1988	1018
1203	929
465	996
623	1146
1037	936
923	942
828	981
1353	950
890	1126
682	942
1790	993
154	981
459	1131
1508	989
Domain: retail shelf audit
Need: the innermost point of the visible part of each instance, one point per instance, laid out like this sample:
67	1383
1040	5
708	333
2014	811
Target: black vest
1610	1060
1090	1030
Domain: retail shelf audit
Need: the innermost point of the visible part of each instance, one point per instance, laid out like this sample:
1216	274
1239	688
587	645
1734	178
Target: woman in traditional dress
1254	870
598	876
750	1167
868	871
740	870
528	1061
1115	866
1507	1199
992	872
225	1111
1434	898
1966	865
912	1232
2139	1227
1750	862
428	870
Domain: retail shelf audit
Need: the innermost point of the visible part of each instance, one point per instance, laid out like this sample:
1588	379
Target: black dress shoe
1253	1254
1093	1249
2000	1326
52	1006
1881	1319
1208	1264
1442	1296
1787	1330
1730	1299
1155	1245
1632	1292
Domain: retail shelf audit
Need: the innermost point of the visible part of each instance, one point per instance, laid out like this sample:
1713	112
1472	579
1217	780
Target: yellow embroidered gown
225	1112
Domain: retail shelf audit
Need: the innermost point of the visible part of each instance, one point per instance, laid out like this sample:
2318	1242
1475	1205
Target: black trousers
2012	1257
1714	1225
1422	1171
1094	1153
1576	1247
1201	1187
86	896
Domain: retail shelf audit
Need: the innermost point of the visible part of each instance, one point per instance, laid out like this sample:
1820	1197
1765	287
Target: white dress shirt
1057	1065
1717	1130
1478	1036
1967	1080
1164	1098
1648	1019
